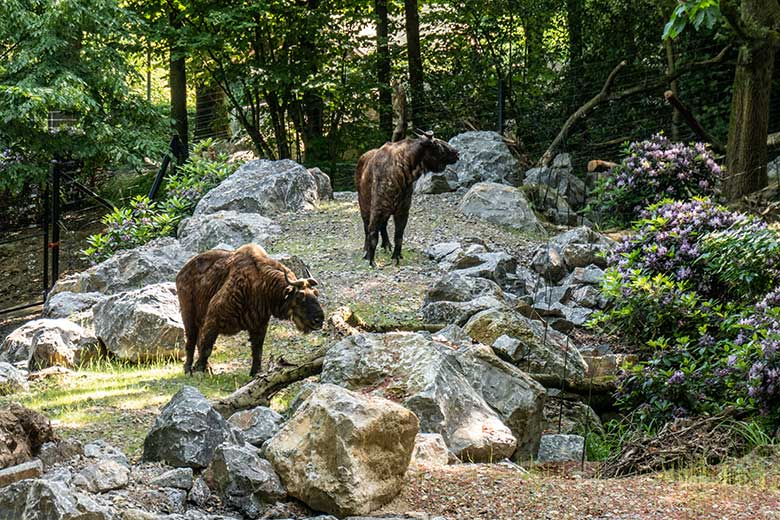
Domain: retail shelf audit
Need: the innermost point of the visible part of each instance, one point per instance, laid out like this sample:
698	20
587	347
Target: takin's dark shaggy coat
224	292
384	180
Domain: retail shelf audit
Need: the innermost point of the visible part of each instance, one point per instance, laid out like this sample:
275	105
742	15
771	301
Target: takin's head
303	308
437	154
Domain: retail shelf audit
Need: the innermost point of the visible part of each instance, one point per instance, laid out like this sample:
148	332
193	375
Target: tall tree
757	26
757	22
385	107
178	82
414	58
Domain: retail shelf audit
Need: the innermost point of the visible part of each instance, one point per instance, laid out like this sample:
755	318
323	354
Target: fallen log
260	390
597	165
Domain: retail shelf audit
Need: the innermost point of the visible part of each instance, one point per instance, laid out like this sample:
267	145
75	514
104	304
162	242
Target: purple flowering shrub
658	284
144	220
756	361
654	170
684	288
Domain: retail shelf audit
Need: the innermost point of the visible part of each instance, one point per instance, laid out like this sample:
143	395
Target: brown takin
384	180
224	292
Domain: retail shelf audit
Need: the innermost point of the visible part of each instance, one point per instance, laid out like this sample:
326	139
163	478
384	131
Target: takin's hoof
200	369
187	370
387	247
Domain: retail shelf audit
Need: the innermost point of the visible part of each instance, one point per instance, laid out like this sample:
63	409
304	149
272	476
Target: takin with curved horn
384	180
224	292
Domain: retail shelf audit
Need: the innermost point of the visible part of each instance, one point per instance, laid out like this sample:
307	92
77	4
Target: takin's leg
386	245
377	222
257	338
365	241
399	221
208	335
190	330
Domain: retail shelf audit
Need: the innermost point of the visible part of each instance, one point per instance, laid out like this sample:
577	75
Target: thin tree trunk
313	107
178	87
385	107
574	15
746	151
417	92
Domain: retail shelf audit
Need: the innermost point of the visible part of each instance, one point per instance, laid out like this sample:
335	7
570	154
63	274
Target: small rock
100	449
53	453
560	448
199	493
12	380
103	475
430	450
180	478
31	469
257	425
244	480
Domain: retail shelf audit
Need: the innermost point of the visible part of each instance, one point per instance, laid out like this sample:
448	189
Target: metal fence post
55	219
45	222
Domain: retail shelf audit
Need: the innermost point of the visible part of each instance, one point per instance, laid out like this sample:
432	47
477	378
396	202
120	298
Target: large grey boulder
155	262
66	304
49	342
433	183
187	431
141	325
264	187
502	205
41	499
343	452
244	480
437	379
582	246
456	297
257	425
12	380
494	265
324	187
484	156
560	180
537	349
518	399
204	232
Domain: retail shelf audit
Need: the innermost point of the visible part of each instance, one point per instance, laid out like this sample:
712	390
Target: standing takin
384	180
224	292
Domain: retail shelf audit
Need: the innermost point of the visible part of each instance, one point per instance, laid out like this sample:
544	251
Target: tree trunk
385	107
746	151
312	105
178	86
417	92
211	119
673	86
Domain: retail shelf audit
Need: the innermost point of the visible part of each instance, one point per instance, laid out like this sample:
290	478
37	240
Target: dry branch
679	443
262	388
692	122
606	94
581	113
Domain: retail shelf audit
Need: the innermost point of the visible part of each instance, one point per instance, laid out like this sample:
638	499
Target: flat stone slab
31	469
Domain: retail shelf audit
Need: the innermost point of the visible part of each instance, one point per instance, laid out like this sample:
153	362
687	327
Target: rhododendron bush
689	291
654	170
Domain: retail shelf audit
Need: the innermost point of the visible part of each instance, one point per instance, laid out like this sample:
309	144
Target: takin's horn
312	282
294	283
